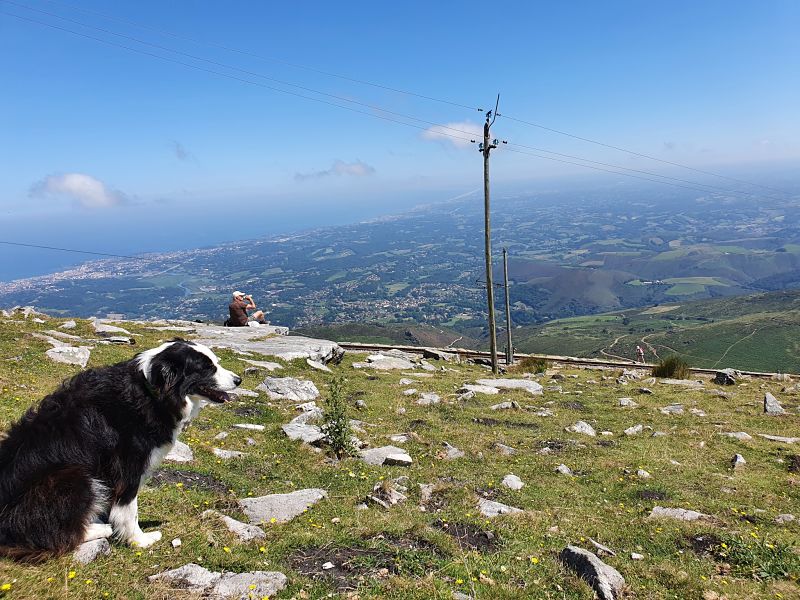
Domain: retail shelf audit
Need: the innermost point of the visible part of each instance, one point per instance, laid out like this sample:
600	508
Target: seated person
238	311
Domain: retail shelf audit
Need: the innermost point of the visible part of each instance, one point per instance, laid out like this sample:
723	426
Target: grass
673	367
404	553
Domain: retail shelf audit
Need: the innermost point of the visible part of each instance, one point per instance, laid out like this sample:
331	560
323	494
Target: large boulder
726	377
605	580
289	388
513	384
281	507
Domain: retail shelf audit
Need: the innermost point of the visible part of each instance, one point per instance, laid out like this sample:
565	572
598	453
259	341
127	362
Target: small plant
336	426
673	367
759	559
532	364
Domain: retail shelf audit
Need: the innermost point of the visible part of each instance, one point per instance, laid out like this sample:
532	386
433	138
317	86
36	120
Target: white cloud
339	167
457	134
84	190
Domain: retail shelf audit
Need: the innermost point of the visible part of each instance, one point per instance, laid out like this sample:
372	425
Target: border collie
81	455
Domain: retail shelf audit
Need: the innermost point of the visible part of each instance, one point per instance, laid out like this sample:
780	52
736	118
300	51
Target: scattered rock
180	453
606	581
478	389
90	551
409	392
263	364
627	402
772	406
636	556
642	474
601	548
68	325
400	459
388	493
377	456
635	430
490	509
513	384
406	381
450	452
308	434
563	469
644	390
504	405
104	329
739	435
70	355
780	438
289	388
315	364
361	404
281	507
697	412
250	426
672	409
257	584
513	482
385	362
242	531
191	576
428	398
436	354
176	543
226	454
399	438
784	519
582	427
738	461
680	514
504	450
726	377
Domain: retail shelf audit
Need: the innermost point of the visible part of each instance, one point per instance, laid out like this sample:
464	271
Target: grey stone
739	435
104	329
478	389
504	405
221	435
400	459
257	584
673	409
180	453
602	548
425	492
563	469
254	340
409	392
263	364
226	454
697	412
361	404
784	519
451	452
780	438
191	576
642	474
242	531
604	579
689	383
90	551
308	434
582	427
726	377
69	355
513	384
505	450
399	438
513	482
289	388
490	509
772	406
384	362
244	392
249	426
635	430
315	364
637	556
68	325
436	354
407	381
680	514
627	402
738	461
388	493
428	398
281	507
644	390
460	596
377	456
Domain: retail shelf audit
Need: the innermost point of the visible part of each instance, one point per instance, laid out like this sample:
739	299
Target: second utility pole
485	148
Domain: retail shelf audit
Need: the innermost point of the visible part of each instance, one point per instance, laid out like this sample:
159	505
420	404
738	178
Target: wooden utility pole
509	345
485	148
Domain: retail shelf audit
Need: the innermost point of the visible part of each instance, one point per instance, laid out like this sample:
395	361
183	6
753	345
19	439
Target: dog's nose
237	380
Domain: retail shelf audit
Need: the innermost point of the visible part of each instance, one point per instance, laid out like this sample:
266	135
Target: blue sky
98	136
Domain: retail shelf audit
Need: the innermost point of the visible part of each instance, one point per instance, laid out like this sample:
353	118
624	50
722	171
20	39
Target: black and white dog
82	454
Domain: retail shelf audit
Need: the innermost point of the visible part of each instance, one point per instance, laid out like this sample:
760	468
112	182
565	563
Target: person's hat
235	294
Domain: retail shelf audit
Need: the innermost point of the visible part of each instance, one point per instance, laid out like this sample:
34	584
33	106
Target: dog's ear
166	378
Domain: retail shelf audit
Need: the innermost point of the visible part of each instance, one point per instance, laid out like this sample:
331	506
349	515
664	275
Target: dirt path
728	349
614	343
650	346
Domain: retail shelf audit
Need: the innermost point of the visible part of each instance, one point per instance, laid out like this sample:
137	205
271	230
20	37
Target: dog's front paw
146	539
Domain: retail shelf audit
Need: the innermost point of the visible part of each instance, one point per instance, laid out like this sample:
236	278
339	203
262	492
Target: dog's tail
50	517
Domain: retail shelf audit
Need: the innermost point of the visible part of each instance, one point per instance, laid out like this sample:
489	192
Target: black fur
100	425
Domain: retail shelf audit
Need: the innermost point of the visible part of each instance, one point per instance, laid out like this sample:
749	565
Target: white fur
95	531
124	520
145	358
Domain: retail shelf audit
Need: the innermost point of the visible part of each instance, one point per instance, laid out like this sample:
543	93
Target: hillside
668	448
753	332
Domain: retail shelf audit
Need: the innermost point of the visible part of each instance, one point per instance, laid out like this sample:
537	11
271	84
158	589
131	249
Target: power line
369	83
248	81
711	187
661	160
70	250
240	70
263	57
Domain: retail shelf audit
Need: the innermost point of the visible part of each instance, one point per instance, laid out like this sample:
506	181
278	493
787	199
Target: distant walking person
639	354
238	311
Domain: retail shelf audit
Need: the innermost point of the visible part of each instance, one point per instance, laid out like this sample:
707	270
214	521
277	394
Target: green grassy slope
405	553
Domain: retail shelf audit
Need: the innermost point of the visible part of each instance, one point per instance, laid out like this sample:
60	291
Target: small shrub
336	424
759	558
673	367
532	364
